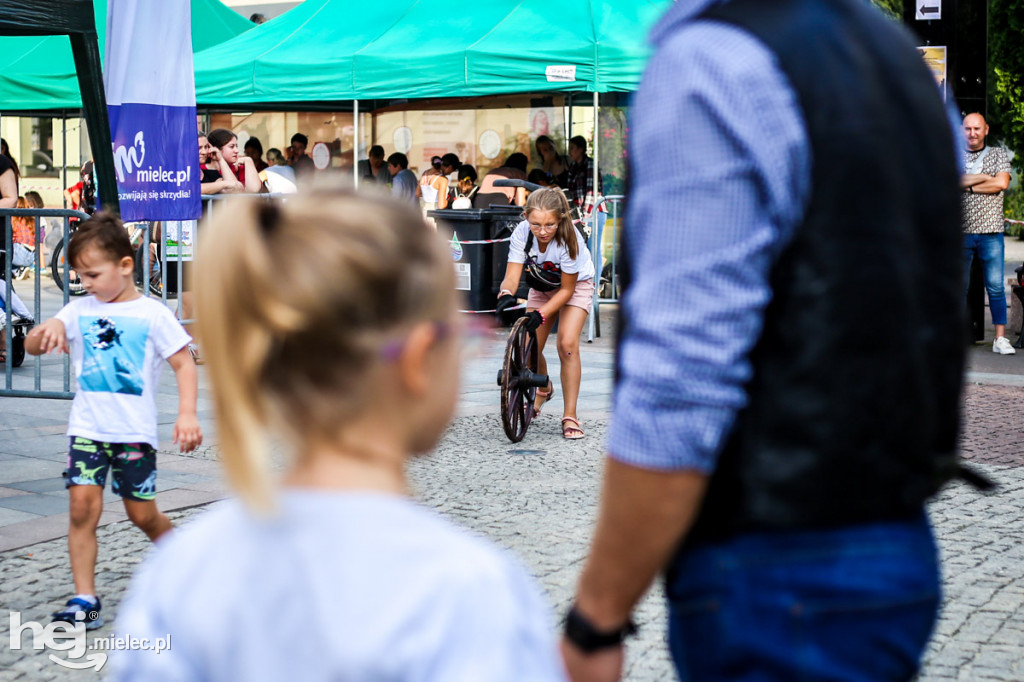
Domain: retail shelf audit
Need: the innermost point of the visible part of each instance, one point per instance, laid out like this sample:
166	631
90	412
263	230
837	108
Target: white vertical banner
151	100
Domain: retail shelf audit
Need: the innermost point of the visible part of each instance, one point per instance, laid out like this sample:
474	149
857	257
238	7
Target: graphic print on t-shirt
113	352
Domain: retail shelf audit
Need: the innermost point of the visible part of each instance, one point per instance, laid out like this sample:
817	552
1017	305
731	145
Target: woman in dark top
9	174
254	150
211	181
5	150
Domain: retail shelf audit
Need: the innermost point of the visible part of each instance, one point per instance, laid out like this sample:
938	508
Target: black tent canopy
73	18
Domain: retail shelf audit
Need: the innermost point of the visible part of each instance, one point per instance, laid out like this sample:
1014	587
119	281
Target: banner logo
127	158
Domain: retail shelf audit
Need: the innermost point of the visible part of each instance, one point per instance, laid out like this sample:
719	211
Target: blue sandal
90	613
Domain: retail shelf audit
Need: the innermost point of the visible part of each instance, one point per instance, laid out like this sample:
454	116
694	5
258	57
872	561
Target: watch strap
588	638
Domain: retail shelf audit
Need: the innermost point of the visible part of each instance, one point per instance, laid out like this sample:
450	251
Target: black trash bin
480	262
504	220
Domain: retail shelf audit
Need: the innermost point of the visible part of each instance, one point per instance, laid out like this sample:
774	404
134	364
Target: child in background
548	238
24	228
23	241
466	187
118	340
34	200
350	355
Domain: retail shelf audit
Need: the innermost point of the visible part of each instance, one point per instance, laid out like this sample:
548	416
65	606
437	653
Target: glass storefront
483	132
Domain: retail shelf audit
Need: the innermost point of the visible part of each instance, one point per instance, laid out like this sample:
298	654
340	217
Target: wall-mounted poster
934	57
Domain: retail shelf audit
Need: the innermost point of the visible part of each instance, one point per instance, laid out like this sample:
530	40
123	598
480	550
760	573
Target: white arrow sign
928	10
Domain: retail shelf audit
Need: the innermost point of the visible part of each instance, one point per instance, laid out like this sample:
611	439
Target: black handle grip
513	182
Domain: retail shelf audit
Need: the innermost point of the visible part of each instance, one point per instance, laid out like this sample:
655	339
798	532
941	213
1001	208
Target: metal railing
184	250
604	284
16	326
151	250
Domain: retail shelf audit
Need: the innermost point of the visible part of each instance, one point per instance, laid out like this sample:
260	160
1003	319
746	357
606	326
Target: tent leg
64	151
355	142
86	52
594	324
568	123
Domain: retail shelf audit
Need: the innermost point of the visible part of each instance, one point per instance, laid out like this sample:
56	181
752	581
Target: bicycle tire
17	350
74	284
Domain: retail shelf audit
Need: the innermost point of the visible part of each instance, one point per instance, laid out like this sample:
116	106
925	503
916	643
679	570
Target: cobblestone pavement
539	497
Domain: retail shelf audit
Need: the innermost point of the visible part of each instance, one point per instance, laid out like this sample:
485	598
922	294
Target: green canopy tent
72	18
507	47
38	73
333	51
302	56
325	52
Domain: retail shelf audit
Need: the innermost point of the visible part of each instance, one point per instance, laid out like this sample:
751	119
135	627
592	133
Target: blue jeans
857	603
989	249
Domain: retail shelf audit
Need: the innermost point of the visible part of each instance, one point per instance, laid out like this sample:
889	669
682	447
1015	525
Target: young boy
118	340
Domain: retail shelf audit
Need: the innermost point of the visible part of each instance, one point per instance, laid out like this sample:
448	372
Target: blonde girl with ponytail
547	239
330	325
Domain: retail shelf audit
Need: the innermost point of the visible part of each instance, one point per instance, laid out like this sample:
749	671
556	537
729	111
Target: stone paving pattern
538	498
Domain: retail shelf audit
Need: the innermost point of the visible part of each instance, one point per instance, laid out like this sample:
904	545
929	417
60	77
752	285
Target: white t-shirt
118	351
280	180
555	253
336	586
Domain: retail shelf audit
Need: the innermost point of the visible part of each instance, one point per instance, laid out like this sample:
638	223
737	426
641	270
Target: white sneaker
1002	346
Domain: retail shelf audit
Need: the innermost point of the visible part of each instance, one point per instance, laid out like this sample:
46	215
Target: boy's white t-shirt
118	351
336	586
556	253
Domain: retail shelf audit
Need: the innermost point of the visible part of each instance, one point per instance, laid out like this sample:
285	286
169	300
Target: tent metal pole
568	124
86	51
355	141
64	151
595	246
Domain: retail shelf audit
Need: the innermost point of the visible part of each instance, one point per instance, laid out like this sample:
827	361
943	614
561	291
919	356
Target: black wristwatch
588	639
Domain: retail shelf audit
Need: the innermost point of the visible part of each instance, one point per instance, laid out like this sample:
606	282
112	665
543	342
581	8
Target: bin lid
451	214
504	211
456	214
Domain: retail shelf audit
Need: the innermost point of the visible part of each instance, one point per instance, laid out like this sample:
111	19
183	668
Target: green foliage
892	8
1013	208
612	149
1006	84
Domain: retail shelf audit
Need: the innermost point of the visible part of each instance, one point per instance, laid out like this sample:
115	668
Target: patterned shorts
134	466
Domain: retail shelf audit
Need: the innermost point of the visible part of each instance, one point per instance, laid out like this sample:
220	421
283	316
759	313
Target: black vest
853	411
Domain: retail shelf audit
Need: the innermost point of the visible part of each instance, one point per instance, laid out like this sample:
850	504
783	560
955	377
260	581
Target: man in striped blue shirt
794	179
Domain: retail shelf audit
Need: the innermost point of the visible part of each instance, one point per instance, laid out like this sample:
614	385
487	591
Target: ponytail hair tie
268	215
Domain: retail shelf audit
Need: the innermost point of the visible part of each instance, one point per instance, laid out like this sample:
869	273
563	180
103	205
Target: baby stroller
21	319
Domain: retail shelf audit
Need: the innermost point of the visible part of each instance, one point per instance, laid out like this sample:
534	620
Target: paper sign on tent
561	73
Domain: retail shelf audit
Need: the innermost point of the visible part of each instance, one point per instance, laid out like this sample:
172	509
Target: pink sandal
572	432
546	395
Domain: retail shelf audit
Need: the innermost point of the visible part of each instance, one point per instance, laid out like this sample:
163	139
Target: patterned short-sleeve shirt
983	213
